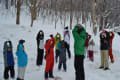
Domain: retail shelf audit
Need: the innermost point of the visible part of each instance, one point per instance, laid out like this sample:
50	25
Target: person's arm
5	54
112	35
74	32
60	37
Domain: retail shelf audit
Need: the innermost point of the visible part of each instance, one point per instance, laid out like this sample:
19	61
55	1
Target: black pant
40	57
50	73
79	67
64	66
68	50
57	54
6	72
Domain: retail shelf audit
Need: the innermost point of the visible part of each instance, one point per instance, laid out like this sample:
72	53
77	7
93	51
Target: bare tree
34	6
71	14
6	4
18	11
12	2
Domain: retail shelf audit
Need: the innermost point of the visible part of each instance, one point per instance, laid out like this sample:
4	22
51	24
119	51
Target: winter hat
21	41
51	35
66	27
80	27
41	32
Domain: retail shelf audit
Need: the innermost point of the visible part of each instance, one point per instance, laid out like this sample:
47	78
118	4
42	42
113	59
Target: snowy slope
8	30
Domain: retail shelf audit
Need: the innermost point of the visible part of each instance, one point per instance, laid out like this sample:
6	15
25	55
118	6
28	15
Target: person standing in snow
104	46
57	40
49	47
67	40
62	55
22	60
40	47
90	50
110	50
88	37
79	35
8	60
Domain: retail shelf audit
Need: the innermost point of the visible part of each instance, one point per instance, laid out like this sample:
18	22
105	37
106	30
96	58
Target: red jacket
87	39
49	47
111	38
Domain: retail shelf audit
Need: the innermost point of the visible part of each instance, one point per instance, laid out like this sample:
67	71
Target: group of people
82	45
61	46
9	63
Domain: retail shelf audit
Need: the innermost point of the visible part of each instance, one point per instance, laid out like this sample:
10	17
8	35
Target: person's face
9	49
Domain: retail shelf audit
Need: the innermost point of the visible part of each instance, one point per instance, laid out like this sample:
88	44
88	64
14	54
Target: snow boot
46	75
51	74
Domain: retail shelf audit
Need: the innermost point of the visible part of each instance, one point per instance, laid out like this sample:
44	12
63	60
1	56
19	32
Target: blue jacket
21	56
62	55
10	59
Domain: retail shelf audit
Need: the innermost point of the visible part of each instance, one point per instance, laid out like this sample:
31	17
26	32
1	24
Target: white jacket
67	36
41	45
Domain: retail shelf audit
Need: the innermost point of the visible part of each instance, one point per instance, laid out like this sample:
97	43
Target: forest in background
101	13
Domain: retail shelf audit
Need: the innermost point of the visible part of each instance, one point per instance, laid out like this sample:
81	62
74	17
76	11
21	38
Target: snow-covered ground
10	31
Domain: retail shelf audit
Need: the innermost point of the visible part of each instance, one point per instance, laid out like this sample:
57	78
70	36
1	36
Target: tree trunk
93	16
12	2
64	13
18	12
32	20
71	16
6	4
15	4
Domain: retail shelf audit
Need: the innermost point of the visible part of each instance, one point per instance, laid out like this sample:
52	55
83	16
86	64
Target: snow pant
6	72
21	73
60	65
79	67
40	57
104	59
49	68
91	55
111	55
57	55
68	50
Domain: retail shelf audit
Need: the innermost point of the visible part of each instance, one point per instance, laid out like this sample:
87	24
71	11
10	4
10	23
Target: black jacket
39	37
105	42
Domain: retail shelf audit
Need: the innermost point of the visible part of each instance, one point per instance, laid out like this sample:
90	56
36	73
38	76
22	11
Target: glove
79	30
48	51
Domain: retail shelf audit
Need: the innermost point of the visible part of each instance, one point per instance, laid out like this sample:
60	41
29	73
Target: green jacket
79	41
56	41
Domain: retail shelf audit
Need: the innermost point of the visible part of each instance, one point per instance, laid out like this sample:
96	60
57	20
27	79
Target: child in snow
90	50
57	40
110	50
88	36
66	37
62	55
40	47
49	47
22	60
8	60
